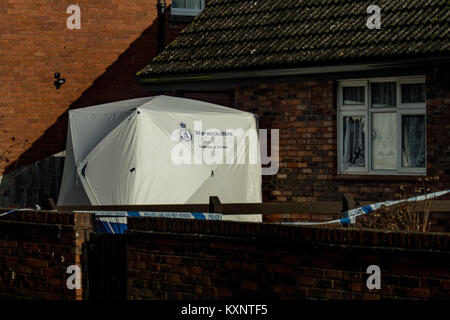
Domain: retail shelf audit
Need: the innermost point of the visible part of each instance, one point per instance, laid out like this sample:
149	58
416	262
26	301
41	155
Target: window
187	7
382	126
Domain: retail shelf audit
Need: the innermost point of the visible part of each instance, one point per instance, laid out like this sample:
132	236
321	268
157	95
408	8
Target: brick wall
305	113
220	98
438	126
184	259
36	248
99	63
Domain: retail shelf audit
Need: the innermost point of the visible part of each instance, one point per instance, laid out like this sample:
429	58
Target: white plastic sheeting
122	153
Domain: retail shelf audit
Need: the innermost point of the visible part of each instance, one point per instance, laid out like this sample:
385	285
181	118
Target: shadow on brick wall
116	83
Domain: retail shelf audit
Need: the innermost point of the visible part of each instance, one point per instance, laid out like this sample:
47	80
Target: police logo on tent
184	133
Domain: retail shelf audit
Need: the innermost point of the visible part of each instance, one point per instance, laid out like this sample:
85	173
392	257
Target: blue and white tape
116	221
350	216
5	213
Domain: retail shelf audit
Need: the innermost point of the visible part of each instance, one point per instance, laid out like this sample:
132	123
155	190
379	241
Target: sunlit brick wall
98	61
194	259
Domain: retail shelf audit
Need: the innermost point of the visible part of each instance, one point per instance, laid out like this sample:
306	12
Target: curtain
384	141
384	94
353	95
194	4
179	3
187	4
414	92
413	142
353	142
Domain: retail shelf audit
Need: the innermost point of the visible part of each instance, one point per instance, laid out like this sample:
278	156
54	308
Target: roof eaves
295	71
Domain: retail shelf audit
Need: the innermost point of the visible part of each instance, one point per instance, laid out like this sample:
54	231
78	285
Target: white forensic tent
129	153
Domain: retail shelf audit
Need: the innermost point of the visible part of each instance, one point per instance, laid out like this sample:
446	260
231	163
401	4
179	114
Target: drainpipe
161	6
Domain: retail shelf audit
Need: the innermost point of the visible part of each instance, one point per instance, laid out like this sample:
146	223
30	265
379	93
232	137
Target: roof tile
234	35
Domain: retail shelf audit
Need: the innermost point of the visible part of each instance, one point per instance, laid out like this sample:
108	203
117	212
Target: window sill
377	178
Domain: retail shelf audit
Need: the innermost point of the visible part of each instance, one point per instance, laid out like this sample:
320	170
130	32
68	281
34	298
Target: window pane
353	142
354	95
384	141
193	4
384	94
413	141
179	3
413	92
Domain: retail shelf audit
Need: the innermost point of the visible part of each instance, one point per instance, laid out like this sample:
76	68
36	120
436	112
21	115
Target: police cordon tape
115	222
11	211
350	215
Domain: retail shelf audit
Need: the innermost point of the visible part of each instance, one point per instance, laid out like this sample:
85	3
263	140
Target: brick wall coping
403	240
77	220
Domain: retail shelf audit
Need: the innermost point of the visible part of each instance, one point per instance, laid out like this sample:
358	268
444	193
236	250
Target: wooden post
214	205
51	204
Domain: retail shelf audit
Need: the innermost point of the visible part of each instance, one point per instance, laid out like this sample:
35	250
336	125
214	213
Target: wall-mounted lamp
59	81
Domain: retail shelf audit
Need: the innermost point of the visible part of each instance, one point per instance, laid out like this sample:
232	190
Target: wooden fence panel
32	185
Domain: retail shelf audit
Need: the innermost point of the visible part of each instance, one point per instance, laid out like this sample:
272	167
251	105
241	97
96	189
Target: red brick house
98	61
360	110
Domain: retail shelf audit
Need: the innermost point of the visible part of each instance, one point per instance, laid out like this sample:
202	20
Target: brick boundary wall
440	221
192	259
36	248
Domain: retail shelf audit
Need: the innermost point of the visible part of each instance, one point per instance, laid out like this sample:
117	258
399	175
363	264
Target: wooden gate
107	268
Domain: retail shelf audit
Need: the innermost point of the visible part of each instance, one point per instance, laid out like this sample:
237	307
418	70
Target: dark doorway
107	269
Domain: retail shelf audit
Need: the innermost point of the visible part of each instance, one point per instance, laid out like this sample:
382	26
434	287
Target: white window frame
186	11
367	110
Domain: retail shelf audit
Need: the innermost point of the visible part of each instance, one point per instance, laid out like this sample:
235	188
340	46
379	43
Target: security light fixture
59	81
